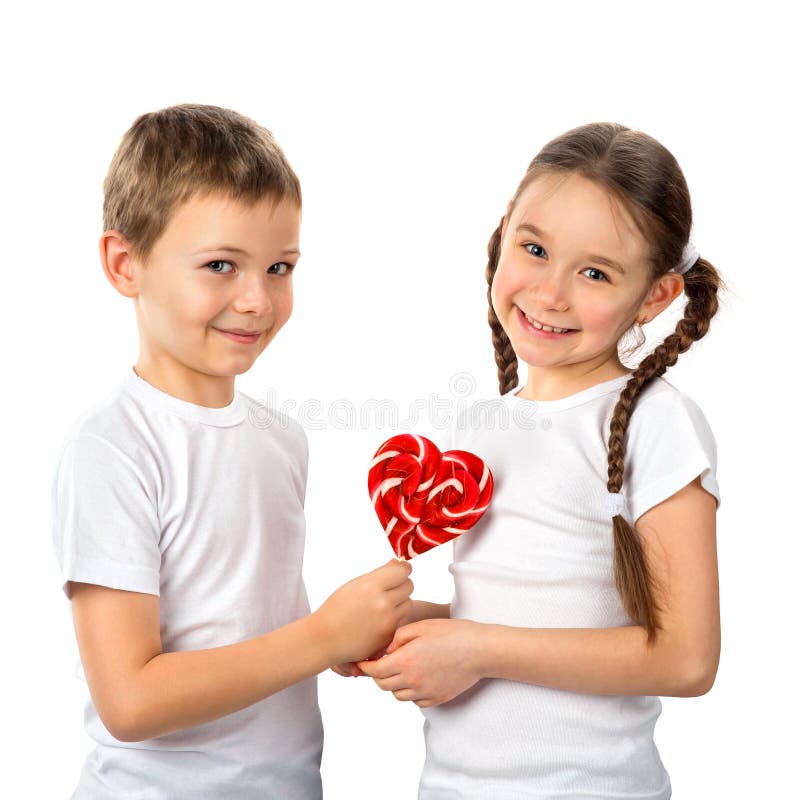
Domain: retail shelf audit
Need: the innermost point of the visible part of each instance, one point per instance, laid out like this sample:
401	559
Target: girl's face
571	257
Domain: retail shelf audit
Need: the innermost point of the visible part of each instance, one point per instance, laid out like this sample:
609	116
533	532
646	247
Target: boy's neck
211	391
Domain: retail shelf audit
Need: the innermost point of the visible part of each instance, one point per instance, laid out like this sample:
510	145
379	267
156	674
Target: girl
577	604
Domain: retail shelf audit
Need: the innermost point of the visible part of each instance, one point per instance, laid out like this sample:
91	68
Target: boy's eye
281	268
536	250
219	266
599	272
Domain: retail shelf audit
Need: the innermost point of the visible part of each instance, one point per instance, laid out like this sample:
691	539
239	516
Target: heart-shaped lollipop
424	497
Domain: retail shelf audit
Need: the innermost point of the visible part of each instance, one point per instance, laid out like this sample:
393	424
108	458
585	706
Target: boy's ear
115	255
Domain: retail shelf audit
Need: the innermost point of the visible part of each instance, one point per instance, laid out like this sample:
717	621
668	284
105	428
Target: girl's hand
416	611
429	662
351	670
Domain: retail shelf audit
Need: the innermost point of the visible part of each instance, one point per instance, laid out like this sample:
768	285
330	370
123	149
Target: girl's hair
167	156
642	174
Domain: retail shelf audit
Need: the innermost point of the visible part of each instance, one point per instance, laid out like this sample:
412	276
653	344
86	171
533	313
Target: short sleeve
669	443
104	518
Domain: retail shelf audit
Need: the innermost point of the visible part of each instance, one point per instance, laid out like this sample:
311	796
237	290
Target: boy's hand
429	662
360	618
351	670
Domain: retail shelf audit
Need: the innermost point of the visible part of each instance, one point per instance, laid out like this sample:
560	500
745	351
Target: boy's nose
252	295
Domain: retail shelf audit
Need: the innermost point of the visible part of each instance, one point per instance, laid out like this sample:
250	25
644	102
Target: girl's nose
551	291
252	294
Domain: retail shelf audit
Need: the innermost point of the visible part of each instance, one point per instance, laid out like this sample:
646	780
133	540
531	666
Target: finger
402	612
374	669
404	635
382	668
402	592
404	694
346	670
393	573
392	684
405	564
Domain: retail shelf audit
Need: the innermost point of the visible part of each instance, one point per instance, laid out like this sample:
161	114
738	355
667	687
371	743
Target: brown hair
168	156
645	176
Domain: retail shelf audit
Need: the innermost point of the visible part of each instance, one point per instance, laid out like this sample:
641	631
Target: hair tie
615	504
689	258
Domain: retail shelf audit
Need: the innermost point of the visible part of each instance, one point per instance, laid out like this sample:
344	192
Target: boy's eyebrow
527	226
291	251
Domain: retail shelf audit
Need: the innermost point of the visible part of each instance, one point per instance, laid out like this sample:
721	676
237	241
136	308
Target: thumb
404	635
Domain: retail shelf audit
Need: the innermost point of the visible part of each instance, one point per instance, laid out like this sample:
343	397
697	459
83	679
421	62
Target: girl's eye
281	268
599	272
539	251
219	267
536	250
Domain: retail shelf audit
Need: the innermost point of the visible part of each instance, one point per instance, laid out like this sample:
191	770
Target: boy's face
221	270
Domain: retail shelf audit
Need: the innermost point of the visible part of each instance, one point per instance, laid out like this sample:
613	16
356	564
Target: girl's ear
664	291
115	255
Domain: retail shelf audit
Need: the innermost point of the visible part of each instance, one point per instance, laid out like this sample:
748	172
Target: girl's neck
555	383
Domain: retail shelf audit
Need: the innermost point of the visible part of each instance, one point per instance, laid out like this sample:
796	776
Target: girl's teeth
545	327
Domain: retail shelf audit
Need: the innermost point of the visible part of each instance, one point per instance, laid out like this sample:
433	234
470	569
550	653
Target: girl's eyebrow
527	226
608	262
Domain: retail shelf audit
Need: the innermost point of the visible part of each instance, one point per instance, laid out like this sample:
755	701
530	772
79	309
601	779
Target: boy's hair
168	156
644	175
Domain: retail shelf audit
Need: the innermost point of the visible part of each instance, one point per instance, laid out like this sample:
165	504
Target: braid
635	585
639	171
504	355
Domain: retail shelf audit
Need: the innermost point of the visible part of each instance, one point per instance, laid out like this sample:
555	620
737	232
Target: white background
409	127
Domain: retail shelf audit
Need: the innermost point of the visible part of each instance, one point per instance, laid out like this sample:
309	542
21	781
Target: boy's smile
213	293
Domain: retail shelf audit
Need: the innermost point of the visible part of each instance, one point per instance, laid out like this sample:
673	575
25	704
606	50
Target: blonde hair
170	155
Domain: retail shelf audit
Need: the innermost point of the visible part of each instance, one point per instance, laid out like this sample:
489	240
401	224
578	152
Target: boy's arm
141	692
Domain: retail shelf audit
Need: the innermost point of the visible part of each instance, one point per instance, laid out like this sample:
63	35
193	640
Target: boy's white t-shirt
542	557
203	507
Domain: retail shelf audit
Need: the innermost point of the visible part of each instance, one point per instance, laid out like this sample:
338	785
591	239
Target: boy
178	507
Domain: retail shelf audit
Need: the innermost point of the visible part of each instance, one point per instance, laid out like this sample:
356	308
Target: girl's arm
432	661
422	609
141	692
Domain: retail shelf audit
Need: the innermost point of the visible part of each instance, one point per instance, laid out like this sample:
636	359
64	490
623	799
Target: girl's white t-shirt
204	508
542	557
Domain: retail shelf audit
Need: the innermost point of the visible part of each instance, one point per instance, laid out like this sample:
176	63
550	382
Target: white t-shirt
203	507
542	557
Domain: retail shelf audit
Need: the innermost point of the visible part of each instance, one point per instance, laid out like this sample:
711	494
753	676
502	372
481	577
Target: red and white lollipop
423	497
